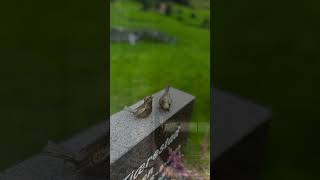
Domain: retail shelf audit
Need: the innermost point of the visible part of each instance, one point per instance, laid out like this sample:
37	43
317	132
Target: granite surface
126	131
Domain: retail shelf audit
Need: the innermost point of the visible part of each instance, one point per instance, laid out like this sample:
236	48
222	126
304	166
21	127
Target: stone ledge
126	131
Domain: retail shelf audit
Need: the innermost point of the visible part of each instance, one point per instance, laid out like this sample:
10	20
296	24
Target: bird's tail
128	109
167	88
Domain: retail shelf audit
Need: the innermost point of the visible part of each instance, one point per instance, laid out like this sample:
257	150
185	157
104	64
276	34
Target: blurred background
53	73
54	77
155	43
268	52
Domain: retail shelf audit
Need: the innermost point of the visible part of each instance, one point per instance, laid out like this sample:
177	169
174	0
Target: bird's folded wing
141	110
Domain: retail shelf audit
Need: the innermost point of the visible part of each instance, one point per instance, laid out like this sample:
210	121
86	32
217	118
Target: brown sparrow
165	101
143	110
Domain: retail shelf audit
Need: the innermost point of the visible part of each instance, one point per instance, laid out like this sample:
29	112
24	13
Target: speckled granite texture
126	131
133	141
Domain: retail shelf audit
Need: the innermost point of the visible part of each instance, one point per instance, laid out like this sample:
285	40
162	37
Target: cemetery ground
141	69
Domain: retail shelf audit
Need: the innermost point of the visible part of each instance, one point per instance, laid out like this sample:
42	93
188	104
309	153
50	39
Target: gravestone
139	147
123	35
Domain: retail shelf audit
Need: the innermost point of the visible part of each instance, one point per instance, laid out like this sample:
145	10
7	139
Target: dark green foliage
168	10
179	18
206	23
193	15
183	2
146	4
151	4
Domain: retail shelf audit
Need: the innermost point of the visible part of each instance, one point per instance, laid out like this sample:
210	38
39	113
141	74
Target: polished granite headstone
138	147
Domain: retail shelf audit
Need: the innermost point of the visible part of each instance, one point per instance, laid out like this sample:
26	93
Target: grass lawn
145	68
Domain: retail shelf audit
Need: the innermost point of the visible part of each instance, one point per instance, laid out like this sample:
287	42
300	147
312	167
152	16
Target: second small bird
165	101
143	110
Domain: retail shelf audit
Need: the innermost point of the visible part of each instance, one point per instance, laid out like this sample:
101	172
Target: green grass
145	68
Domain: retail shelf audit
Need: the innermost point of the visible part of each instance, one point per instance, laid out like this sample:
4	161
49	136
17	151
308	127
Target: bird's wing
140	110
168	99
161	100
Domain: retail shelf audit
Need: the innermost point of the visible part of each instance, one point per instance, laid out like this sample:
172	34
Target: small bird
143	110
165	101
